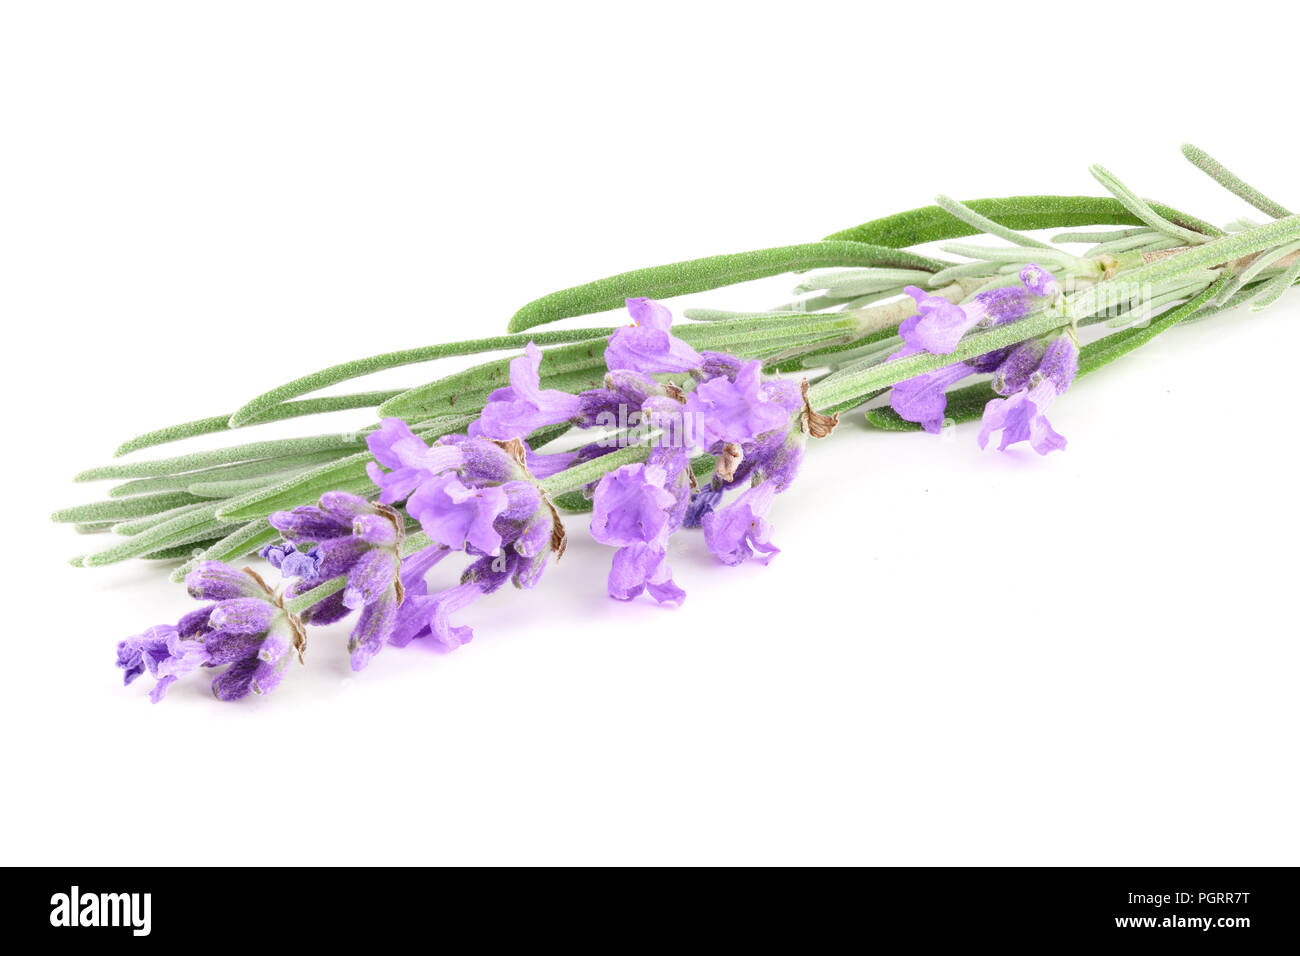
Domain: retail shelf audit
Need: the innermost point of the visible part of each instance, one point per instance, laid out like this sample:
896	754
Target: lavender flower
527	541
246	627
1022	416
491	509
741	530
1013	372
455	515
924	398
1039	281
363	541
636	509
724	411
524	406
292	563
647	345
941	324
164	653
411	461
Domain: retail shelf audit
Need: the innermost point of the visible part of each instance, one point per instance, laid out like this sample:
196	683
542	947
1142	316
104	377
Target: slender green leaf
193	526
1263	261
983	224
1104	351
221	423
219	456
1275	288
279	467
698	275
255	409
1142	209
342	475
245	539
1233	183
1217	252
932	223
140	525
180	552
346	474
124	508
93	527
1098	238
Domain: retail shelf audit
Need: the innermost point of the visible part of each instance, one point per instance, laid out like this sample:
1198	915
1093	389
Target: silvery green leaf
1143	209
257	408
1233	183
699	275
932	224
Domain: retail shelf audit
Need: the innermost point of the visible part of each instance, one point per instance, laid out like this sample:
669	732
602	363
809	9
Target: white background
958	657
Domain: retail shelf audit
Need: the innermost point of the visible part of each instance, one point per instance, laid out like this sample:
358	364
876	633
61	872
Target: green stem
317	594
572	479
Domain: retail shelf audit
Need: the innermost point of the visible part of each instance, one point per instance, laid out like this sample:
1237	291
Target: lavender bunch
655	428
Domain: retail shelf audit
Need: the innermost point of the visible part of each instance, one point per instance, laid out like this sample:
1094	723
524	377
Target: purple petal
456	516
243	616
721	411
525	406
370	577
647	346
924	399
309	523
374	628
741	530
214	581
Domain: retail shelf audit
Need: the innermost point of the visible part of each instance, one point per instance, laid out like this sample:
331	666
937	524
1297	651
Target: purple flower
245	629
1039	281
721	411
164	653
524	406
1013	372
509	525
411	461
924	399
632	506
455	515
647	345
440	609
639	567
292	563
635	509
544	465
522	560
363	541
702	502
1023	415
741	529
941	324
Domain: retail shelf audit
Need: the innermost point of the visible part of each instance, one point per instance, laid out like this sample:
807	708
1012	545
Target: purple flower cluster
245	629
472	494
752	428
348	536
1022	414
481	493
938	327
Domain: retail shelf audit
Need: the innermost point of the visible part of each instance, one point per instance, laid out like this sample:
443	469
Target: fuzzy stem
571	479
317	594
